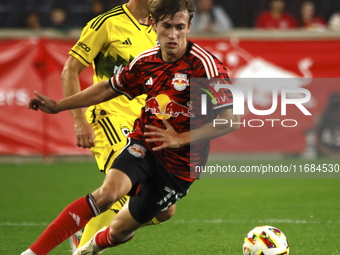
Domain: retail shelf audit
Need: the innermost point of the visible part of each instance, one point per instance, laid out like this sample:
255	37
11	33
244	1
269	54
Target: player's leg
104	220
156	193
167	214
121	230
133	163
76	215
95	224
154	190
111	133
123	225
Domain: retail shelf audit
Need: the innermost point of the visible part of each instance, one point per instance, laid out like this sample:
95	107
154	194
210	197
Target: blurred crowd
211	15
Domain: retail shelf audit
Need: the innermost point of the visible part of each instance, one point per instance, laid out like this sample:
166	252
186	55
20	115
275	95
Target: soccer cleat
28	252
90	248
75	240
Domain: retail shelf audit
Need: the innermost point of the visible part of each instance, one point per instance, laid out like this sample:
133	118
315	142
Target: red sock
103	239
73	218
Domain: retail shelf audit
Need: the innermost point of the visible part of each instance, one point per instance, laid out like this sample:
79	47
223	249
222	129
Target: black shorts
154	189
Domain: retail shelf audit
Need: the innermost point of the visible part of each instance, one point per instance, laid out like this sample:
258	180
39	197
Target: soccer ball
265	240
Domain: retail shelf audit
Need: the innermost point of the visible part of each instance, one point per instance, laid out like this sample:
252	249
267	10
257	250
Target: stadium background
242	12
292	59
41	170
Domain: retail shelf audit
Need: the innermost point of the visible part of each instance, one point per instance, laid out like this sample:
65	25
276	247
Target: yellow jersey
110	41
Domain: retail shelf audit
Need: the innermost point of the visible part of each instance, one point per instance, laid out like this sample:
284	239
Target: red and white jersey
174	92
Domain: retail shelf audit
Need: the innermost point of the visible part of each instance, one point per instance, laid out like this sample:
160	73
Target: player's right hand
84	134
42	103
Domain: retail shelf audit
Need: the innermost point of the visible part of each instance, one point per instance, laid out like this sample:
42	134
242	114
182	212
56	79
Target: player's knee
167	214
105	197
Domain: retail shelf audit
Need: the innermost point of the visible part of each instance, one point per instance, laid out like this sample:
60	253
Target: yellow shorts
110	131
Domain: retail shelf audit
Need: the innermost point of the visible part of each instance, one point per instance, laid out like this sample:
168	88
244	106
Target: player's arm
71	85
214	129
95	94
171	139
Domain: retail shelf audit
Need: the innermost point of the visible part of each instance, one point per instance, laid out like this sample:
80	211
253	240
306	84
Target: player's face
172	35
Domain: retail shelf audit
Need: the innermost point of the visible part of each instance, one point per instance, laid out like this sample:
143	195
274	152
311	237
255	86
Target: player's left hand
168	136
42	103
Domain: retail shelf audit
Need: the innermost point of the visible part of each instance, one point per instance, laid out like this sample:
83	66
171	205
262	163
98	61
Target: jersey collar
132	18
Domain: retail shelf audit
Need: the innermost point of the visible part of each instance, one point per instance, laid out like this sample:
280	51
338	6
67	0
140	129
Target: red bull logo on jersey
163	107
137	150
180	81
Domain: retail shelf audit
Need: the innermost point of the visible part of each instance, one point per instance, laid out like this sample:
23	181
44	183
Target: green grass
213	219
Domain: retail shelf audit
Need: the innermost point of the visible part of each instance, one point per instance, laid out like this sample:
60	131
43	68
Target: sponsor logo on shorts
137	150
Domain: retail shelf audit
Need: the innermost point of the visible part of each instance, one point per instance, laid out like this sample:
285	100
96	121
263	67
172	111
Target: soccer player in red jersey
169	139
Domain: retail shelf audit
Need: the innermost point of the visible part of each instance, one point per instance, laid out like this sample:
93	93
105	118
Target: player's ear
153	23
189	27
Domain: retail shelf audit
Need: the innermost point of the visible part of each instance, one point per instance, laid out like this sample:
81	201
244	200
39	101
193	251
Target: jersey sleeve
220	97
92	39
211	86
128	81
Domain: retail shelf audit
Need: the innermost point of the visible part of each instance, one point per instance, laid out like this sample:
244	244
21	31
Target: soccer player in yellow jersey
109	42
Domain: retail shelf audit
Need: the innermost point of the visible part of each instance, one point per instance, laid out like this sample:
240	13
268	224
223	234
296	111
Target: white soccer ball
265	240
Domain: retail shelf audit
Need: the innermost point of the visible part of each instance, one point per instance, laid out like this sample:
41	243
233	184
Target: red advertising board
27	66
36	64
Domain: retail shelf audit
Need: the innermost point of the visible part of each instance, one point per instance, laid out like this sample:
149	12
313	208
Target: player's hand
84	134
168	136
42	103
